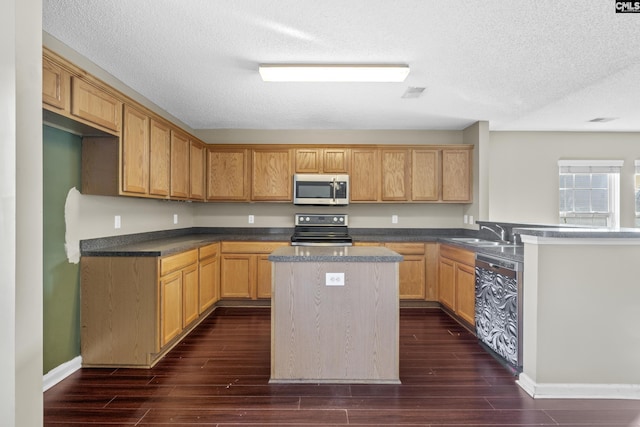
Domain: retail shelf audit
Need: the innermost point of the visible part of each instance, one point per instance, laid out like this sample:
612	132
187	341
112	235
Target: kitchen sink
482	242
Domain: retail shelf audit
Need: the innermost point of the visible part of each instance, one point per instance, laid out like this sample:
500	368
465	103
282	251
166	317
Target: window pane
583	180
582	201
566	180
563	200
599	200
599	180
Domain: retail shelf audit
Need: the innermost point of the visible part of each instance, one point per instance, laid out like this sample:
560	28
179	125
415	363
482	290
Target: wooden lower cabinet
245	271
456	281
135	309
412	270
209	276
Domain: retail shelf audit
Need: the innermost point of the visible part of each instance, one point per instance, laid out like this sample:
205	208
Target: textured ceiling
520	65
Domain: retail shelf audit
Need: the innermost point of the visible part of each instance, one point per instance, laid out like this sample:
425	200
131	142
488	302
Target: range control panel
322	219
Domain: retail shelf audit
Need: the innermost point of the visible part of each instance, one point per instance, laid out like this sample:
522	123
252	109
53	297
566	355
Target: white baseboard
578	391
61	372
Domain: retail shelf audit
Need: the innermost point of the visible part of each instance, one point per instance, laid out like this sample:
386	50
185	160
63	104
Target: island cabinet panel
456	175
396	173
412	269
365	175
245	272
425	175
457	281
271	178
159	158
135	151
227	174
196	165
95	105
55	86
335	334
209	276
180	172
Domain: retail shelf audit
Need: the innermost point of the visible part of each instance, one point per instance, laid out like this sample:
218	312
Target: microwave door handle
333	189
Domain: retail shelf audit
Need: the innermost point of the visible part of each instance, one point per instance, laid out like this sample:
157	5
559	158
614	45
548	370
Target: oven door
321	189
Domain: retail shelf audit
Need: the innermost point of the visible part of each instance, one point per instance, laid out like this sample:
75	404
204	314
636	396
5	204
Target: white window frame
610	167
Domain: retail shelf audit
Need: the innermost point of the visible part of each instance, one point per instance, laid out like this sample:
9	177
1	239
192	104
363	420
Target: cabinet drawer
209	250
406	248
251	247
178	261
457	254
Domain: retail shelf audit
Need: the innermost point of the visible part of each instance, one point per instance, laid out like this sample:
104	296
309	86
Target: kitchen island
334	315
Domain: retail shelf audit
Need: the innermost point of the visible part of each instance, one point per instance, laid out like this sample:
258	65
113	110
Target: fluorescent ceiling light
333	73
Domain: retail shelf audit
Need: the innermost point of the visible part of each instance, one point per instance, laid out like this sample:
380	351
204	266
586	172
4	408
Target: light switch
335	279
117	222
175	218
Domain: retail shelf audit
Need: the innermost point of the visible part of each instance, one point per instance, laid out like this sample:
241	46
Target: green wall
61	281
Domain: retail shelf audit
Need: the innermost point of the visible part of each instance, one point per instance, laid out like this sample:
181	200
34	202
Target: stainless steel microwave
321	189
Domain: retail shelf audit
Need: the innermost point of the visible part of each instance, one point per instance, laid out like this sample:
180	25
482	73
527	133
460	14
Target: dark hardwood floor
218	376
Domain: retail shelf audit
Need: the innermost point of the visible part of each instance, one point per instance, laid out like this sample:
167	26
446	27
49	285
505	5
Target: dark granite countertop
334	254
162	243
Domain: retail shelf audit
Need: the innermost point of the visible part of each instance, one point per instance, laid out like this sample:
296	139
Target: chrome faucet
502	235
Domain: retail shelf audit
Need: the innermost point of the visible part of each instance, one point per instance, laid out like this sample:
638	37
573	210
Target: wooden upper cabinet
95	105
227	174
159	158
456	175
135	152
180	173
396	173
197	158
272	175
55	85
322	160
425	175
365	175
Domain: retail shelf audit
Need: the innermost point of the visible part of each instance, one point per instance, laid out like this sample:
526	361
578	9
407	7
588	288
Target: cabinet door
196	182
446	283
179	165
335	160
159	158
135	152
95	105
209	280
465	292
227	174
263	278
456	175
395	175
55	85
412	276
272	177
237	276
308	160
170	307
365	175
425	175
190	295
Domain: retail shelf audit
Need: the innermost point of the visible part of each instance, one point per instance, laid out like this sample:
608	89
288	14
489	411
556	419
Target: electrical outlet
470	219
394	219
465	219
117	222
251	219
175	218
334	279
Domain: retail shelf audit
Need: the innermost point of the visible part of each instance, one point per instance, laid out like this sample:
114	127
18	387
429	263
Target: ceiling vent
413	92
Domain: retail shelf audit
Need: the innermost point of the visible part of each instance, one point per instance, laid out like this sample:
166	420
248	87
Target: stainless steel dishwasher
498	313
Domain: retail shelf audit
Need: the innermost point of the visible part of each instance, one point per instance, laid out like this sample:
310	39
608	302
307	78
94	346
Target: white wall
89	217
523	171
21	213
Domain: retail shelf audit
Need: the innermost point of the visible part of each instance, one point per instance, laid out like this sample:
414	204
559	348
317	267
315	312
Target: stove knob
335	219
341	219
308	219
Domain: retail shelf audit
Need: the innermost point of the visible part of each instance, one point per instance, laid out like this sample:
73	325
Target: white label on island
335	279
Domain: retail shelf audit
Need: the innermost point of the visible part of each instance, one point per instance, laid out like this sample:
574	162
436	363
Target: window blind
592	166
